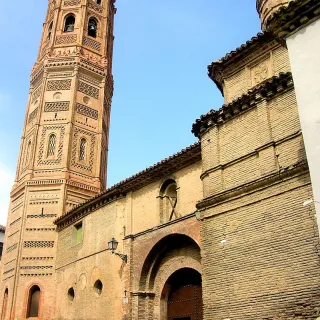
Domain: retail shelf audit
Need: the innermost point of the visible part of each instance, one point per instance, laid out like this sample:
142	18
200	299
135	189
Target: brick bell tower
63	154
266	8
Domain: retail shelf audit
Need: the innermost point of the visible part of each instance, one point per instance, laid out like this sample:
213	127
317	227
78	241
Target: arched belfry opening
171	278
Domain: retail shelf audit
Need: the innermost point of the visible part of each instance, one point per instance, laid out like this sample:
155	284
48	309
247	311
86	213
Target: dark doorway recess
185	297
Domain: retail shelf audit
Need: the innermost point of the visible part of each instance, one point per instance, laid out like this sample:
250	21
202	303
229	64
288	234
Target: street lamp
113	245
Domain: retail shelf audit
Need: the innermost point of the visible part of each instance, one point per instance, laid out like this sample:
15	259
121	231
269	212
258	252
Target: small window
98	1
50	30
51	145
71	294
92	28
33	303
69	23
78	233
98	286
83	149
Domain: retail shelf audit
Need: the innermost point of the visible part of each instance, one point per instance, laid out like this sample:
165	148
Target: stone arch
158	252
170	254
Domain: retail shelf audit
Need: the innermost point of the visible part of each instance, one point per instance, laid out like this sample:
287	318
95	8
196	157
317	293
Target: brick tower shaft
63	153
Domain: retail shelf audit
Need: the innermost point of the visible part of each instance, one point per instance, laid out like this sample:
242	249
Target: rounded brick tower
63	153
266	8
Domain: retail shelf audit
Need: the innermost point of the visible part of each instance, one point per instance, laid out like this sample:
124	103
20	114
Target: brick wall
80	265
244	74
261	260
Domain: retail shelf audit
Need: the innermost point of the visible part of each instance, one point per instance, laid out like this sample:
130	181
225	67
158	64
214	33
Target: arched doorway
172	269
182	296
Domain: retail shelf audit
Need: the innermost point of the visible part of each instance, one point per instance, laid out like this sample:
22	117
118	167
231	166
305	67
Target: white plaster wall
304	53
2	237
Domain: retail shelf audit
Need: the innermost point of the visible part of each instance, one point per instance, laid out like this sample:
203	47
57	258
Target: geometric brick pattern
55	85
88	90
38	244
95	45
92	5
36	93
87	111
71	3
41	158
56	106
33	115
78	132
68	39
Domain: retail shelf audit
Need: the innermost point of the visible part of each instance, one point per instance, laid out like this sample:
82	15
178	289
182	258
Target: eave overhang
296	15
215	69
266	90
166	167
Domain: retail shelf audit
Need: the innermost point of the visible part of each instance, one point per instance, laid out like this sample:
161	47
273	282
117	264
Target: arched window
92	27
33	302
51	145
4	305
69	23
82	149
169	200
50	30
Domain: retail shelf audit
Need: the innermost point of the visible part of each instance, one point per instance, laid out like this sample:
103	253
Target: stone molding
267	90
284	173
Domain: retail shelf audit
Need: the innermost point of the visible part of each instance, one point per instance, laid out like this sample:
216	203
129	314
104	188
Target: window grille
82	151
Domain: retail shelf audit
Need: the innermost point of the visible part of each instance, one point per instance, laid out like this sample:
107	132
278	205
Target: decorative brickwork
33	115
56	85
41	156
88	79
68	39
11	248
88	89
87	111
36	93
35	267
95	45
71	3
75	145
94	6
41	216
38	244
56	106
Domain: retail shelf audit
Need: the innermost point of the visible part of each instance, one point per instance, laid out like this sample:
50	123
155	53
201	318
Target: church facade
222	230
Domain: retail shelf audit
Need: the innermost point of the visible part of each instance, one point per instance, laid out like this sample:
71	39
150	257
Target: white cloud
6	182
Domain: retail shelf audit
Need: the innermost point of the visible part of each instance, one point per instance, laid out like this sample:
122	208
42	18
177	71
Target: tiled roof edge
215	68
295	15
267	90
124	186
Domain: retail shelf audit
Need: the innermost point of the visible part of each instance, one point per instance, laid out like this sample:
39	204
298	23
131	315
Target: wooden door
185	303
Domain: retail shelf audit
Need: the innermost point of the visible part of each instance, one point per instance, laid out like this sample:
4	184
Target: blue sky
162	49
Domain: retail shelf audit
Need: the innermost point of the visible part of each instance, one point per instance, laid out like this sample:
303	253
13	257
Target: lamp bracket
123	257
